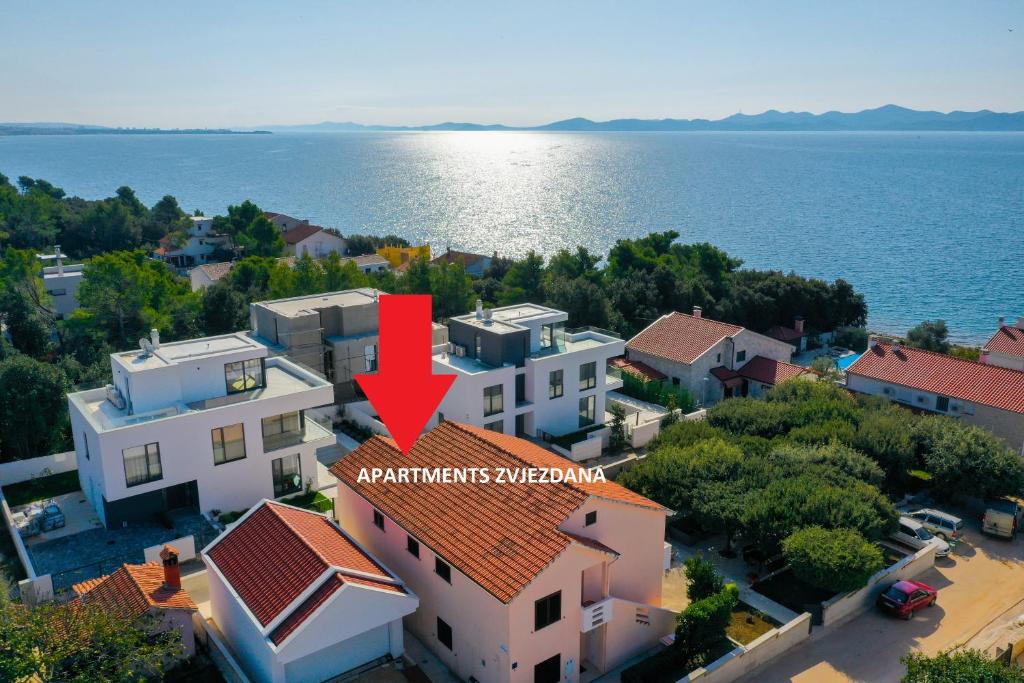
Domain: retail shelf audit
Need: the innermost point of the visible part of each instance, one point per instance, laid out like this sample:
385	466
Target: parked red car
903	598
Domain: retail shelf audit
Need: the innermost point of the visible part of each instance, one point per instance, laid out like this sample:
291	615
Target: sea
926	225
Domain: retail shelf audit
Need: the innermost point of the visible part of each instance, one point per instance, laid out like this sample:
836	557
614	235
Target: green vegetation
853	338
747	624
657	392
702	579
954	667
41	488
839	560
930	335
311	500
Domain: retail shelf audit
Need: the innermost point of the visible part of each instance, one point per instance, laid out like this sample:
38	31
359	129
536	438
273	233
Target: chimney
696	311
154	336
60	261
1002	322
1020	323
798	324
479	309
172	574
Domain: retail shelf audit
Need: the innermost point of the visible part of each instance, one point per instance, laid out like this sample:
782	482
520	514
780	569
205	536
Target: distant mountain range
46	128
888	118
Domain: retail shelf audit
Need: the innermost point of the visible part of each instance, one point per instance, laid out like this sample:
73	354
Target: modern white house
518	583
61	282
200	244
204	424
712	360
299	600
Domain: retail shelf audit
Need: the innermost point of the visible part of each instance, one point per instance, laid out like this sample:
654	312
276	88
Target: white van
912	533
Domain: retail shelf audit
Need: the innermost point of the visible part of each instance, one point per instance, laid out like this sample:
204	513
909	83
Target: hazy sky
214	63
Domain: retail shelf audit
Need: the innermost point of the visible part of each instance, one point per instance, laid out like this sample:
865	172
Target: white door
339	658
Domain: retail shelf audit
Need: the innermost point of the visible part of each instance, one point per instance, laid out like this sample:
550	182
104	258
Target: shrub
824	432
886	435
855	338
701	626
840	560
685	433
968	665
702	579
967	460
750	416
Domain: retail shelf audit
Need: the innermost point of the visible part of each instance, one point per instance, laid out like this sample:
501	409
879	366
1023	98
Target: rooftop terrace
305	305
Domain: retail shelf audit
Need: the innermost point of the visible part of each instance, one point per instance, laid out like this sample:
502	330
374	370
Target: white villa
202	424
198	249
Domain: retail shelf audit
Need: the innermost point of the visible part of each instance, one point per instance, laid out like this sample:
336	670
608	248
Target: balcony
315	429
595	614
613	379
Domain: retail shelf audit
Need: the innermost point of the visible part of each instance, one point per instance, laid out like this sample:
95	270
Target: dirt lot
978	584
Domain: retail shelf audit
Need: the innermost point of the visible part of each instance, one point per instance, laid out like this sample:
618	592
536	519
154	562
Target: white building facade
199	247
205	424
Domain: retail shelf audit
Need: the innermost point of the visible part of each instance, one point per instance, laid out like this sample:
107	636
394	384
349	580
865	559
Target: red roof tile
786	334
941	374
499	535
273	555
318	597
464	257
1008	340
133	589
637	369
299	233
681	338
768	371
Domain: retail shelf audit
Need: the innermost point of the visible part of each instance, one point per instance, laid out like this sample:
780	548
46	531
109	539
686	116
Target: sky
224	63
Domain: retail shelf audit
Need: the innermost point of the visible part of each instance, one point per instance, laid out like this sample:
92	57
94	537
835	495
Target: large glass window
287	472
588	375
142	464
547	336
244	375
281	424
493	401
228	443
556	386
496	426
547	611
370	356
587	404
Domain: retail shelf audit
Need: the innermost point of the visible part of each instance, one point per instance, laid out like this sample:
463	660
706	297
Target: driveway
977	586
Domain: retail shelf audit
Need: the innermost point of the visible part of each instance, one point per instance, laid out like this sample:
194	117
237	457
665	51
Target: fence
746	658
24	470
842	606
33	589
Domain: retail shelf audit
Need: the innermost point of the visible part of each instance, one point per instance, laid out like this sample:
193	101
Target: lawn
313	500
748	624
41	488
786	589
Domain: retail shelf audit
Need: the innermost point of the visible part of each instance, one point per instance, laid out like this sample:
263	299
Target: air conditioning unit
115	397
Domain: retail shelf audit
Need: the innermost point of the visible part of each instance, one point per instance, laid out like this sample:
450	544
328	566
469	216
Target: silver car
944	525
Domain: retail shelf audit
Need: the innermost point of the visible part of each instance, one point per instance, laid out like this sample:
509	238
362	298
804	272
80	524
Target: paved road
976	587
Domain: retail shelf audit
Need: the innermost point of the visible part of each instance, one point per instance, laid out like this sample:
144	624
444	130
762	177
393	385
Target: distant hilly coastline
887	118
82	129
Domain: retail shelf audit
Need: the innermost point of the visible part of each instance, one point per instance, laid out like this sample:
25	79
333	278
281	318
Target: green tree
524	280
28	329
930	335
224	309
261	238
964	666
965	460
33	412
308	276
417	278
617	439
702	625
839	560
702	579
452	290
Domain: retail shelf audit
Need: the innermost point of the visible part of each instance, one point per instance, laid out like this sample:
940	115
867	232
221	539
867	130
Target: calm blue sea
927	225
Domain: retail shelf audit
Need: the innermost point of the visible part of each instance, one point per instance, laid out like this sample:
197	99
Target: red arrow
404	392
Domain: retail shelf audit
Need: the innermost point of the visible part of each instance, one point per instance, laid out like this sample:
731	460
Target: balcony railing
316	428
595	615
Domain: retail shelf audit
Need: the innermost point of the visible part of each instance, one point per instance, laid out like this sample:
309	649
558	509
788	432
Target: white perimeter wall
23	470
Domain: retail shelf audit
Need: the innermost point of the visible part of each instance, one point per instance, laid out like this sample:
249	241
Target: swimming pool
846	361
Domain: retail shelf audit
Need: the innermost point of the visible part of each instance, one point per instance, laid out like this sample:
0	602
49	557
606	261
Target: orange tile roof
637	369
133	589
941	374
277	552
782	333
768	371
299	233
499	535
681	338
1008	340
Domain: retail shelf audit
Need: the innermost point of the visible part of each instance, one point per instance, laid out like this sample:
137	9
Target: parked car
912	533
903	598
942	524
1001	517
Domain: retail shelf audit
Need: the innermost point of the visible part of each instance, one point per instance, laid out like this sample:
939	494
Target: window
285	423
588	375
590	519
547	335
413	546
493	403
520	389
440	417
718	358
287	473
587	410
547	611
444	633
555	385
244	375
479	348
228	444
942	403
442	569
85	444
548	671
378	519
370	357
741	356
142	464
675	381
496	426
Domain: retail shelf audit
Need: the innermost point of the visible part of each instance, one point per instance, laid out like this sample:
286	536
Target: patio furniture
27	526
52	517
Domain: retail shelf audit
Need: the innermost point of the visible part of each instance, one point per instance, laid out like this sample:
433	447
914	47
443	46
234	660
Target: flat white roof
304	305
175	352
511	318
